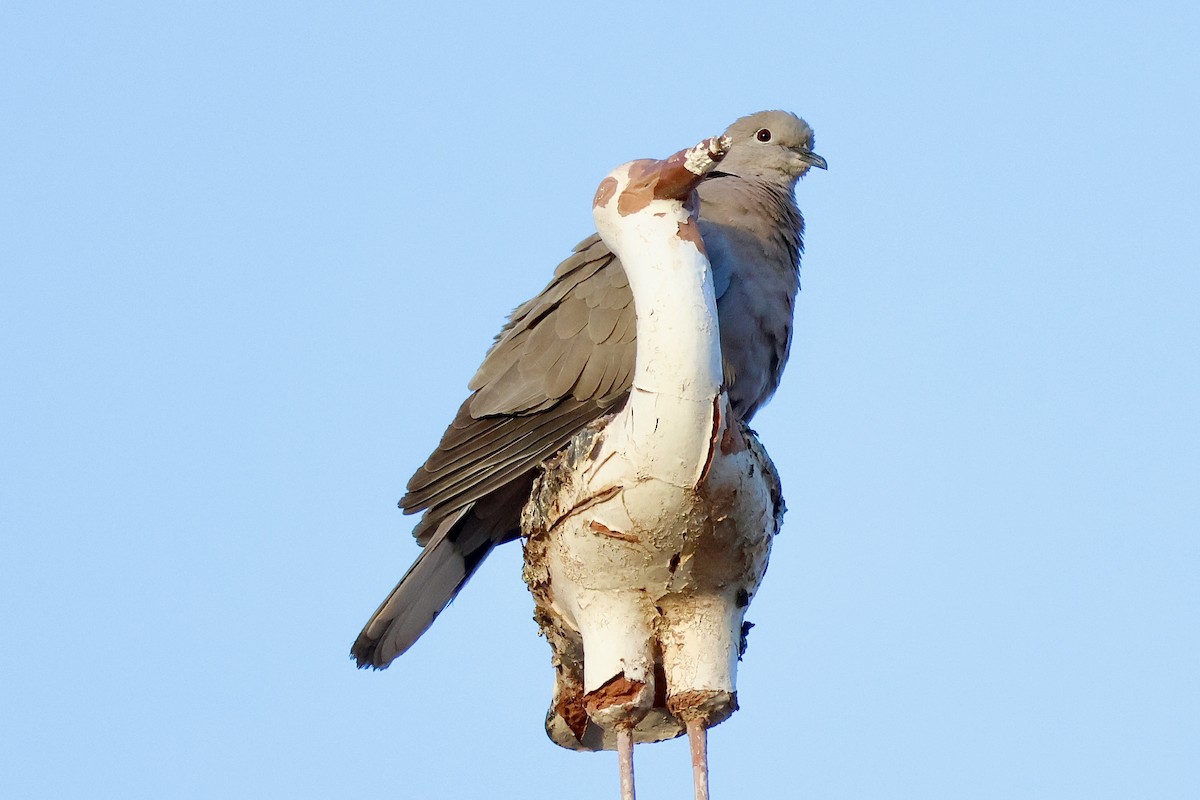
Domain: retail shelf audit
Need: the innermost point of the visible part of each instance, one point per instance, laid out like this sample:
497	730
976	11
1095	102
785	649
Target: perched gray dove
566	358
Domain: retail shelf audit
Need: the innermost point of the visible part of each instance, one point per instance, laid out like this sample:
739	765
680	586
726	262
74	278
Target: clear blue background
253	251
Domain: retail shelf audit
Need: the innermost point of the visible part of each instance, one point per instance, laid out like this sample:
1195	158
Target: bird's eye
763	135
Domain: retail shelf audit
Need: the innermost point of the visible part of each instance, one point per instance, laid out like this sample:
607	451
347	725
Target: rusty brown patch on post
712	438
640	190
604	530
687	705
689	231
672	178
706	705
733	440
571	708
618	690
682	172
608	187
656	180
583	505
675	181
593	499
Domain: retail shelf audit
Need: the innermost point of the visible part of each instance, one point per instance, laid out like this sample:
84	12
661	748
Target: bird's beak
812	159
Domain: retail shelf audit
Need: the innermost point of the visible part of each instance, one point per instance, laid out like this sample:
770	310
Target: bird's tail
453	554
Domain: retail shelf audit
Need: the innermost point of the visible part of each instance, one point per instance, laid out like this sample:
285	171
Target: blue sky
253	252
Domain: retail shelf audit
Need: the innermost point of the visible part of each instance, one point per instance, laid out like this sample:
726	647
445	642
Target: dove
566	358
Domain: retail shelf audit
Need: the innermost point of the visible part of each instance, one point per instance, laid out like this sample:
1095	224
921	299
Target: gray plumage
566	357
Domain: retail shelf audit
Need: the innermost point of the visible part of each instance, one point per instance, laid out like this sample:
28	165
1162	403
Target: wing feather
563	359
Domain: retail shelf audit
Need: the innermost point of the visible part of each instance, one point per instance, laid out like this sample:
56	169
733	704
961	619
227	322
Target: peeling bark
604	530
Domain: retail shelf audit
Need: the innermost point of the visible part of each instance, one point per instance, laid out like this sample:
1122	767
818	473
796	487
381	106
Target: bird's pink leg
697	730
625	761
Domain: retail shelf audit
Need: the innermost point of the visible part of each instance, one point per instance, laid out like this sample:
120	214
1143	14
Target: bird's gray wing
565	358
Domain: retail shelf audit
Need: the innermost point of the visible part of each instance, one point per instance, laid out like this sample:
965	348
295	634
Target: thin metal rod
625	761
698	739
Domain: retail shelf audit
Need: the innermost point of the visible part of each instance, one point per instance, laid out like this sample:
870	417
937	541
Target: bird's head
775	145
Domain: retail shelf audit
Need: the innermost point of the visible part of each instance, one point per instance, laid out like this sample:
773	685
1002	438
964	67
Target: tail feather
458	544
428	587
